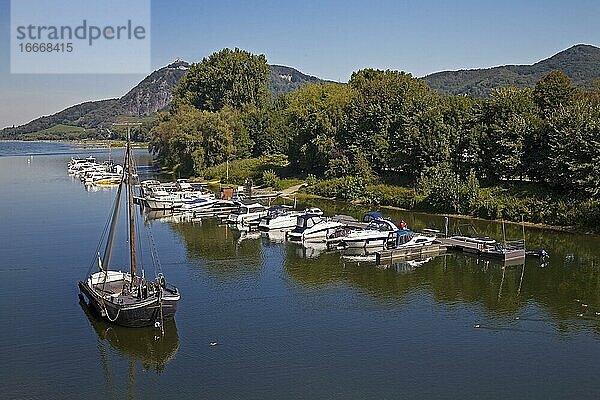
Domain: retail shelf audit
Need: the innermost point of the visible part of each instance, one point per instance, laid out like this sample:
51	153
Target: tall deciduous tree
508	118
191	140
396	122
553	94
316	116
234	78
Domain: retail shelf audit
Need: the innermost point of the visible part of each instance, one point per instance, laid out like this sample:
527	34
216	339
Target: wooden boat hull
146	312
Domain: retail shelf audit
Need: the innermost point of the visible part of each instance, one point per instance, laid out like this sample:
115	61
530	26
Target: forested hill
581	63
151	95
286	79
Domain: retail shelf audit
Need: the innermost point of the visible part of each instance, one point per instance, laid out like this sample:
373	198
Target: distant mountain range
153	94
581	63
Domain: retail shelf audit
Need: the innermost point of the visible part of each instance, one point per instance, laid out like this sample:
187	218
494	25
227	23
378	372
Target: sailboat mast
131	211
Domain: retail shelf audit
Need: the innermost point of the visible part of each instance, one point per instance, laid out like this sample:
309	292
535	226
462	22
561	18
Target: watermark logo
80	36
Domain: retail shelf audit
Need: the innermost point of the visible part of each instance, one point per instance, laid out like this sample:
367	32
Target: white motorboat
198	204
160	199
407	238
247	213
77	163
283	217
382	233
376	234
313	227
279	217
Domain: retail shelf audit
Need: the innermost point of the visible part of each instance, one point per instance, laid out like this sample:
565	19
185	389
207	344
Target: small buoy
157	324
577	300
477	325
580	315
213	343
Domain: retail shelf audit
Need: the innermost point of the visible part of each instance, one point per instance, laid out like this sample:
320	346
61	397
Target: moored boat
126	298
247	213
313	227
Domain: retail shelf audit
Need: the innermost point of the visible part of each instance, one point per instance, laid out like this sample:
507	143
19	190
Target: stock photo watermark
80	36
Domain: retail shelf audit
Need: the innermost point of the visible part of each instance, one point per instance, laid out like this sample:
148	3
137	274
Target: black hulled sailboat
125	298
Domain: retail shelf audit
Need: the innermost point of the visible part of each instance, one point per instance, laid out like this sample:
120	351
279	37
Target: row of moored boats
91	172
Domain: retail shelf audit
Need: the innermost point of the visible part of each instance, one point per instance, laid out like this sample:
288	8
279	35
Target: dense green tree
553	94
267	127
396	122
508	118
383	103
553	91
462	122
575	147
316	116
234	78
191	140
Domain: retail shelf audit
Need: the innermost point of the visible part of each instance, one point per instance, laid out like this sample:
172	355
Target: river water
288	322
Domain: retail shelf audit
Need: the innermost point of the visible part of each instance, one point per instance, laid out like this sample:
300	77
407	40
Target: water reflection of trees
225	252
572	274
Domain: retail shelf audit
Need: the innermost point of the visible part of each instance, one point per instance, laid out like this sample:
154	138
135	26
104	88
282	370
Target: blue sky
329	39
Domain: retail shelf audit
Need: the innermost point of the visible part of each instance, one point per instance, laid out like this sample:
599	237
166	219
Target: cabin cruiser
147	185
407	238
376	234
382	233
160	199
313	227
247	213
77	163
283	217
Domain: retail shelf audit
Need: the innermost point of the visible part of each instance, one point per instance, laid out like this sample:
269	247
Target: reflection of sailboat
142	344
126	298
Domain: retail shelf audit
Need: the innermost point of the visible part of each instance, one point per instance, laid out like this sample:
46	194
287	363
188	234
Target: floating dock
513	251
404	253
462	245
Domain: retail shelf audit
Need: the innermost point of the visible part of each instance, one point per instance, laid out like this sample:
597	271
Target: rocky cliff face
154	93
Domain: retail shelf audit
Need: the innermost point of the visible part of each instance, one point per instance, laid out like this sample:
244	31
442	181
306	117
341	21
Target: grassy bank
512	201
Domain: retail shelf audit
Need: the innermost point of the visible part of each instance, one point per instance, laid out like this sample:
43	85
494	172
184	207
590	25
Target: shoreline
94	144
303	196
556	228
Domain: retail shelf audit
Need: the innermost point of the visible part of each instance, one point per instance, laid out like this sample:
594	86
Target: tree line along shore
385	138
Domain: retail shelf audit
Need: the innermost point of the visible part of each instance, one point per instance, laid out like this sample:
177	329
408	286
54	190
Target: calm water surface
290	322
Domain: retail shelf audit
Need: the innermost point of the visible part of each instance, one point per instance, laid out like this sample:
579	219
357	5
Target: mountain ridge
580	62
151	95
154	93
